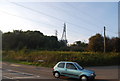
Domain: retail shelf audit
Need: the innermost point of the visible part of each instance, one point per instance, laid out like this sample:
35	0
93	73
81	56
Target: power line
31	19
37	21
51	16
73	31
112	32
90	16
83	13
80	18
32	10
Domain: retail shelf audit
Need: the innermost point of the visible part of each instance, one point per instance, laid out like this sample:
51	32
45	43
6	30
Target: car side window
61	65
70	66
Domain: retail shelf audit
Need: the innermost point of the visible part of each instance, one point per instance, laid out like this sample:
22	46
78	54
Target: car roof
66	62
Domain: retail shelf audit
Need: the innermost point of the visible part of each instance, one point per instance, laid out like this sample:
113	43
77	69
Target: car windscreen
78	66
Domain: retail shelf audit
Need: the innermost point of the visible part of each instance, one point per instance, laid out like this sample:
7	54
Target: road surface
19	72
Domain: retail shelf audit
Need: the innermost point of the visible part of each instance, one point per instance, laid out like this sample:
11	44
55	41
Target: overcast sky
83	19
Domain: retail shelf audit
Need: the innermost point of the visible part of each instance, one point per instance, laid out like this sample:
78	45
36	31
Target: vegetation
35	40
50	58
96	43
31	47
17	40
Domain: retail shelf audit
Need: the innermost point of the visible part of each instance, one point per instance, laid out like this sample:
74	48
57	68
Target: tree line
96	44
19	39
36	40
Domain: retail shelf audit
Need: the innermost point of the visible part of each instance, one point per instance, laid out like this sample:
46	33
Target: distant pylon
56	33
64	35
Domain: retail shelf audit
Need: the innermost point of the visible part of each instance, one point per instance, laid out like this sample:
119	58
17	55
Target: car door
71	70
61	68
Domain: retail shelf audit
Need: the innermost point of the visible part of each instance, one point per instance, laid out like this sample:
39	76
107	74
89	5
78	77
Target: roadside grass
50	58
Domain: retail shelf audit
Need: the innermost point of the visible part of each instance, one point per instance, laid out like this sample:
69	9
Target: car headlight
92	74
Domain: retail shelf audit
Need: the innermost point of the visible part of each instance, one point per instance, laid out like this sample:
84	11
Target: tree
115	44
96	43
108	44
19	39
78	46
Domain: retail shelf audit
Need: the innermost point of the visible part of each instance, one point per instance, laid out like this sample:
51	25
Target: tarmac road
19	72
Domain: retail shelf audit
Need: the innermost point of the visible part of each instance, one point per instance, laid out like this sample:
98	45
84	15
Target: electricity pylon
64	39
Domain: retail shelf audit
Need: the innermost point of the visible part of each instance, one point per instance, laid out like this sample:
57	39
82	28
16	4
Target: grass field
50	58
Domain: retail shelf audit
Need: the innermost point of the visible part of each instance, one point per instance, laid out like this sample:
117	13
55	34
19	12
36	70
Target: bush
50	58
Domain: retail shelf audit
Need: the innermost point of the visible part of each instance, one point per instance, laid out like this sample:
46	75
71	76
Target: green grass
52	57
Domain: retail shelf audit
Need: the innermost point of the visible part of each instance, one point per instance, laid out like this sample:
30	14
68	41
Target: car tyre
56	74
83	78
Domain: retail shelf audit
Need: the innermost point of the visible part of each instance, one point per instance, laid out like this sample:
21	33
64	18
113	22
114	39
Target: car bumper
91	77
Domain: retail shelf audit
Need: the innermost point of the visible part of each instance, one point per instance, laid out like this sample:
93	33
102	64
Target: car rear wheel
56	74
83	78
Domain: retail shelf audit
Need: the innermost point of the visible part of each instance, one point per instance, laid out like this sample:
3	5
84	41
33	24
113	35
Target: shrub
52	57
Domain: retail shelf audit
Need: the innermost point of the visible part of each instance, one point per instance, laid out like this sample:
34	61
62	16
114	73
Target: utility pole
104	39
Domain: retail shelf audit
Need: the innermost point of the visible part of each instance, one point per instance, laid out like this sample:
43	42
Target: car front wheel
56	75
83	78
